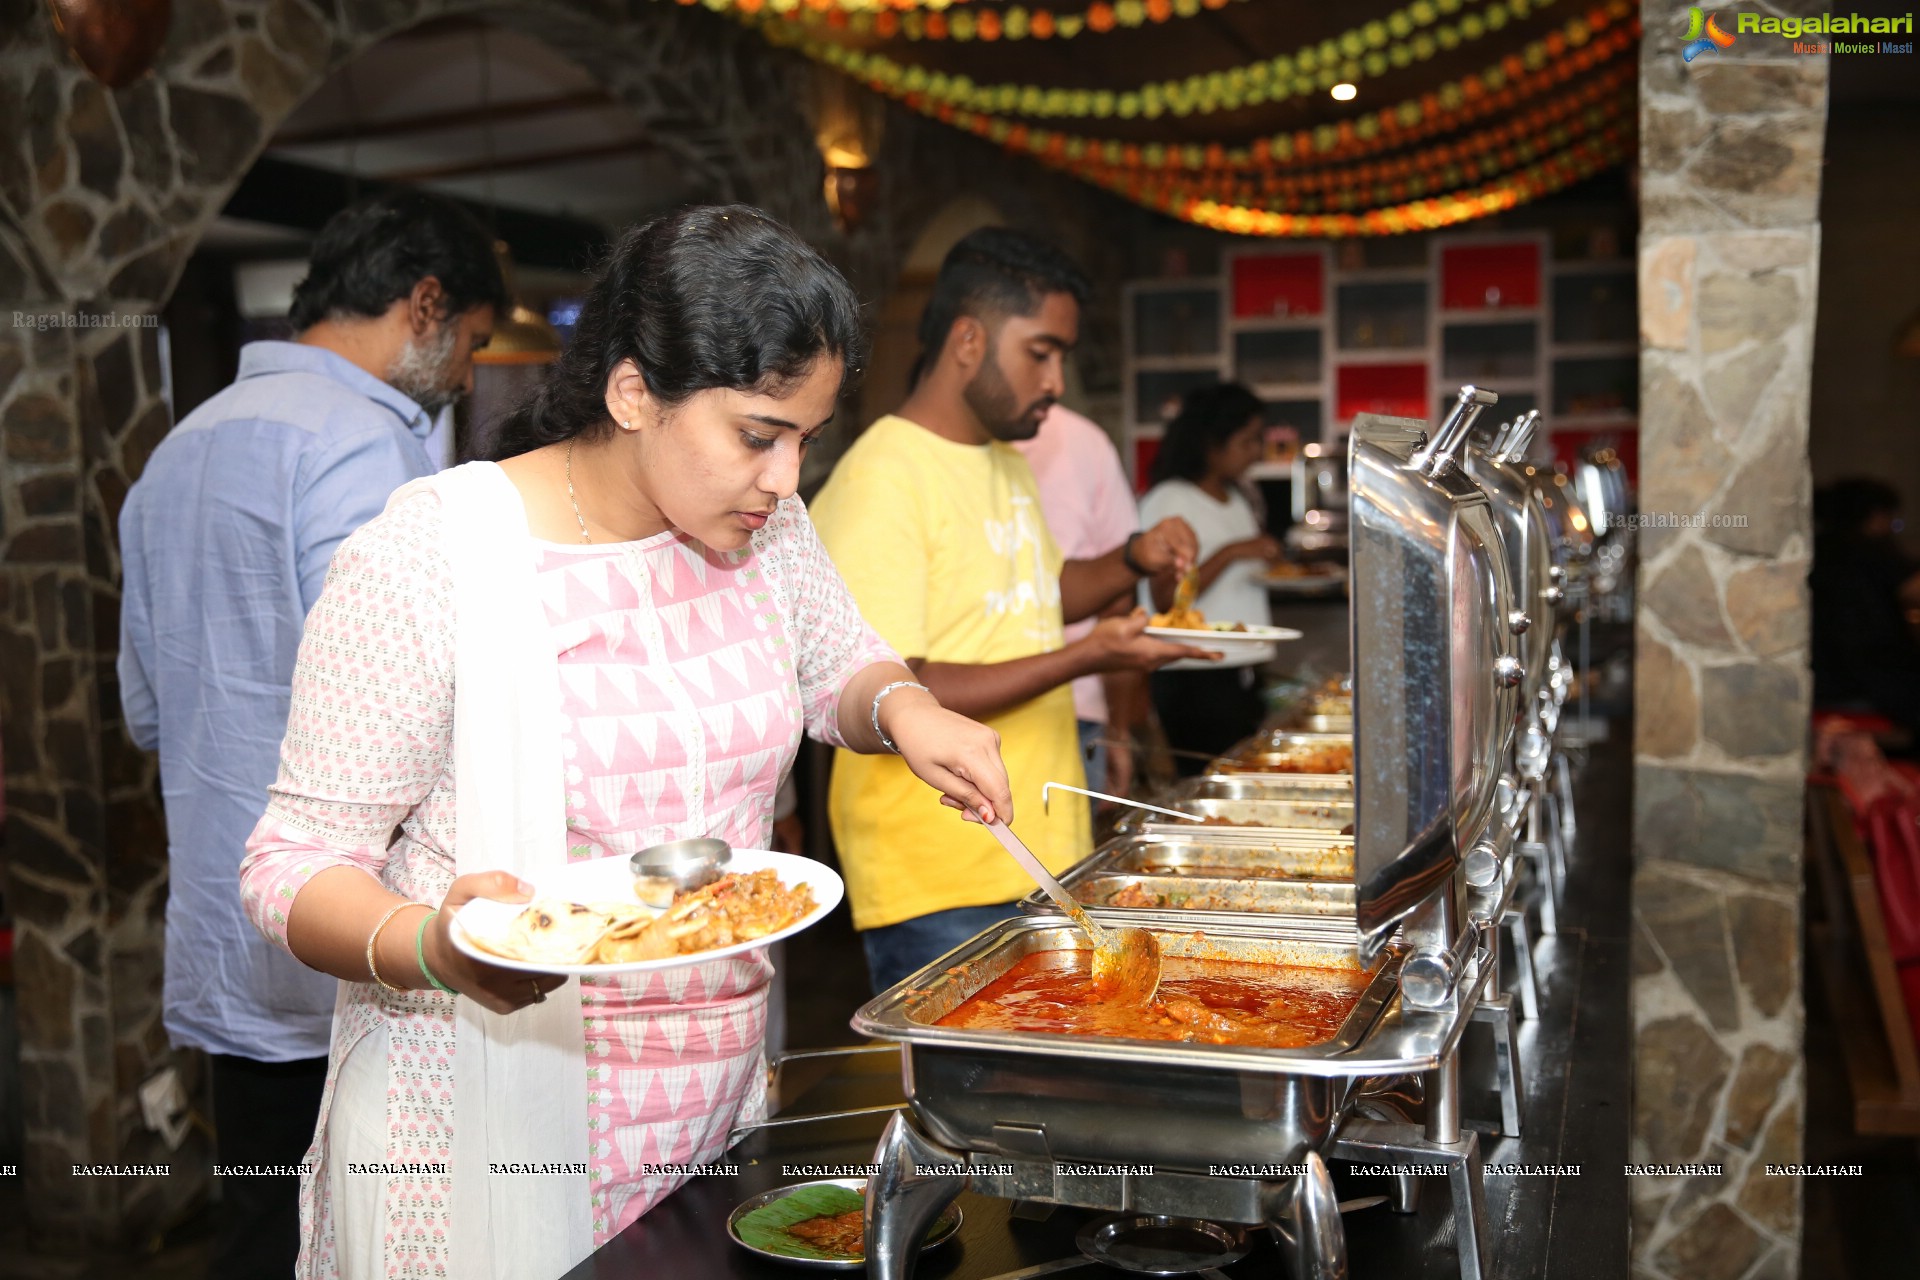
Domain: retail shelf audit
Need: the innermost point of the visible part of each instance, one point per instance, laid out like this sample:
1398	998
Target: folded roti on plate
553	931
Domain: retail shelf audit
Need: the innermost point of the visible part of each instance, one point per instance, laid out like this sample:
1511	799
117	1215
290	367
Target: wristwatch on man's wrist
1126	556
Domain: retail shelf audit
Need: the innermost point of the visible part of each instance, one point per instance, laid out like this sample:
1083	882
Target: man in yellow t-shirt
934	520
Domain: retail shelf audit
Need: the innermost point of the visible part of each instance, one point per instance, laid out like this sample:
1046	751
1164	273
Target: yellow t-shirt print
947	553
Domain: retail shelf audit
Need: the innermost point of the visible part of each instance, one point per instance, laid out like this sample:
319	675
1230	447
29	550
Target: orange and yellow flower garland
1583	42
1294	184
941	20
1507	146
1367	51
1582	160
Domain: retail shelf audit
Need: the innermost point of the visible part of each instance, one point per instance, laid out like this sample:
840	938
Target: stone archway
896	320
103	197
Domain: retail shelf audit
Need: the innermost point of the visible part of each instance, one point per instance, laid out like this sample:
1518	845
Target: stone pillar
84	848
1730	158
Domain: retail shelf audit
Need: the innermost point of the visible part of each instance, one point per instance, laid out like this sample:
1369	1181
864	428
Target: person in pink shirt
1090	510
612	636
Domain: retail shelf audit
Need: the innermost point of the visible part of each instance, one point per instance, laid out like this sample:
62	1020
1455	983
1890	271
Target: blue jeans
1093	753
896	951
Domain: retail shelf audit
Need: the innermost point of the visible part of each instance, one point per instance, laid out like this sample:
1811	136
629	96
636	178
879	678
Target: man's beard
423	371
990	396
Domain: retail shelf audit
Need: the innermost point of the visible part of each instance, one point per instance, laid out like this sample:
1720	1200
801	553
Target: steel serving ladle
1126	962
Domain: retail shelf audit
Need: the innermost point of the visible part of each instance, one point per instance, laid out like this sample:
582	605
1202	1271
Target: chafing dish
1090	1098
1301	788
1567	517
1239	853
1238	872
1217	896
1328	709
1290	801
1602	483
1284	752
1287	815
1203	1130
1527	541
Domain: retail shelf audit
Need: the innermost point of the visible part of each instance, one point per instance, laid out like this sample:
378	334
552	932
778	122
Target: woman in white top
1204	454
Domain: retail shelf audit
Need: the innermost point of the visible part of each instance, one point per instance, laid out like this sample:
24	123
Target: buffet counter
1546	1222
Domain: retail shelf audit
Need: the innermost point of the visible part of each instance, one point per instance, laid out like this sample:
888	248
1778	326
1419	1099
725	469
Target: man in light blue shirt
224	541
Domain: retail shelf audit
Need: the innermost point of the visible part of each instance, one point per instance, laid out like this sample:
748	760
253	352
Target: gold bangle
374	937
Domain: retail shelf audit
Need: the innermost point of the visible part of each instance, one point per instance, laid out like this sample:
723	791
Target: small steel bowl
662	870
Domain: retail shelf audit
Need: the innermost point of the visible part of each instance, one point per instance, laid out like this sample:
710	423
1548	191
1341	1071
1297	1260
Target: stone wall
103	196
1730	159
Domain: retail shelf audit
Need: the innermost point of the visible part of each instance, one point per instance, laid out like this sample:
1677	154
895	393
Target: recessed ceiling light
1344	93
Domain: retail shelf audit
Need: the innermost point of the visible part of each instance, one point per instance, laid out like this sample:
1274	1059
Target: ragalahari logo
1703	34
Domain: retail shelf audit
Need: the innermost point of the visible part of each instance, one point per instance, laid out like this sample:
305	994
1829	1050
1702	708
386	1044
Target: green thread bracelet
420	954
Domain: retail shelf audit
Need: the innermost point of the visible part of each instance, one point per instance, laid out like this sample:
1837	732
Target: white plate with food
1241	655
1218	635
587	919
1302	584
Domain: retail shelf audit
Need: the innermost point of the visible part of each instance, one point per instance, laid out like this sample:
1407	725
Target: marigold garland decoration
1562	169
1554	58
1509	145
1360	176
940	20
1367	51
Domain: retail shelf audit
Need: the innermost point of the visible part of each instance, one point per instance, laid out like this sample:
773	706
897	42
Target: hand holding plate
491	987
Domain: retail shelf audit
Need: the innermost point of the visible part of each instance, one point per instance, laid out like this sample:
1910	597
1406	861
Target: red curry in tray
1271	1006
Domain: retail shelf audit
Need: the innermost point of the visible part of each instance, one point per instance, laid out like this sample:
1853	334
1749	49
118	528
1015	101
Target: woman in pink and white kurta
696	627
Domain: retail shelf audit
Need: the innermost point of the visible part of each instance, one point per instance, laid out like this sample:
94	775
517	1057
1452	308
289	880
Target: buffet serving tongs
1126	962
1047	791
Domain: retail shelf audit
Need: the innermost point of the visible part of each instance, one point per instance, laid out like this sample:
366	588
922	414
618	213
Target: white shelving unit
1319	335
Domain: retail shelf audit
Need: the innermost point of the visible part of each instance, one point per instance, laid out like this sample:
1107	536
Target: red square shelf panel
1290	284
1483	277
1396	389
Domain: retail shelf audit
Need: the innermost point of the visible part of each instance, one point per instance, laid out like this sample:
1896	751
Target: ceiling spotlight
1344	93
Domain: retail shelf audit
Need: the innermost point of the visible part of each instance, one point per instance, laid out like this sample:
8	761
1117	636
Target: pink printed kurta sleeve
371	724
833	643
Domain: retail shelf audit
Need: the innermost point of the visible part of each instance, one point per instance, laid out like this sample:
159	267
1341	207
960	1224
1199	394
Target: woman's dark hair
377	249
990	274
713	296
1207	418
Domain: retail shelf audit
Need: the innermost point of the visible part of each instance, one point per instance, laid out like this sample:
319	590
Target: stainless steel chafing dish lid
1566	516
1602	484
1433	662
1527	541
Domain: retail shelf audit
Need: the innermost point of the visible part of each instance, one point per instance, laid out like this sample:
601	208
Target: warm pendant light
115	40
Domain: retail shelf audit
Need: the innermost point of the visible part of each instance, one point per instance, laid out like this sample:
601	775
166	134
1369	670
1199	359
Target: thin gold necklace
584	535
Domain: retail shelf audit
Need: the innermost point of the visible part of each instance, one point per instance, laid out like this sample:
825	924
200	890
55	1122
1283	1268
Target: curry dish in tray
1269	1006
